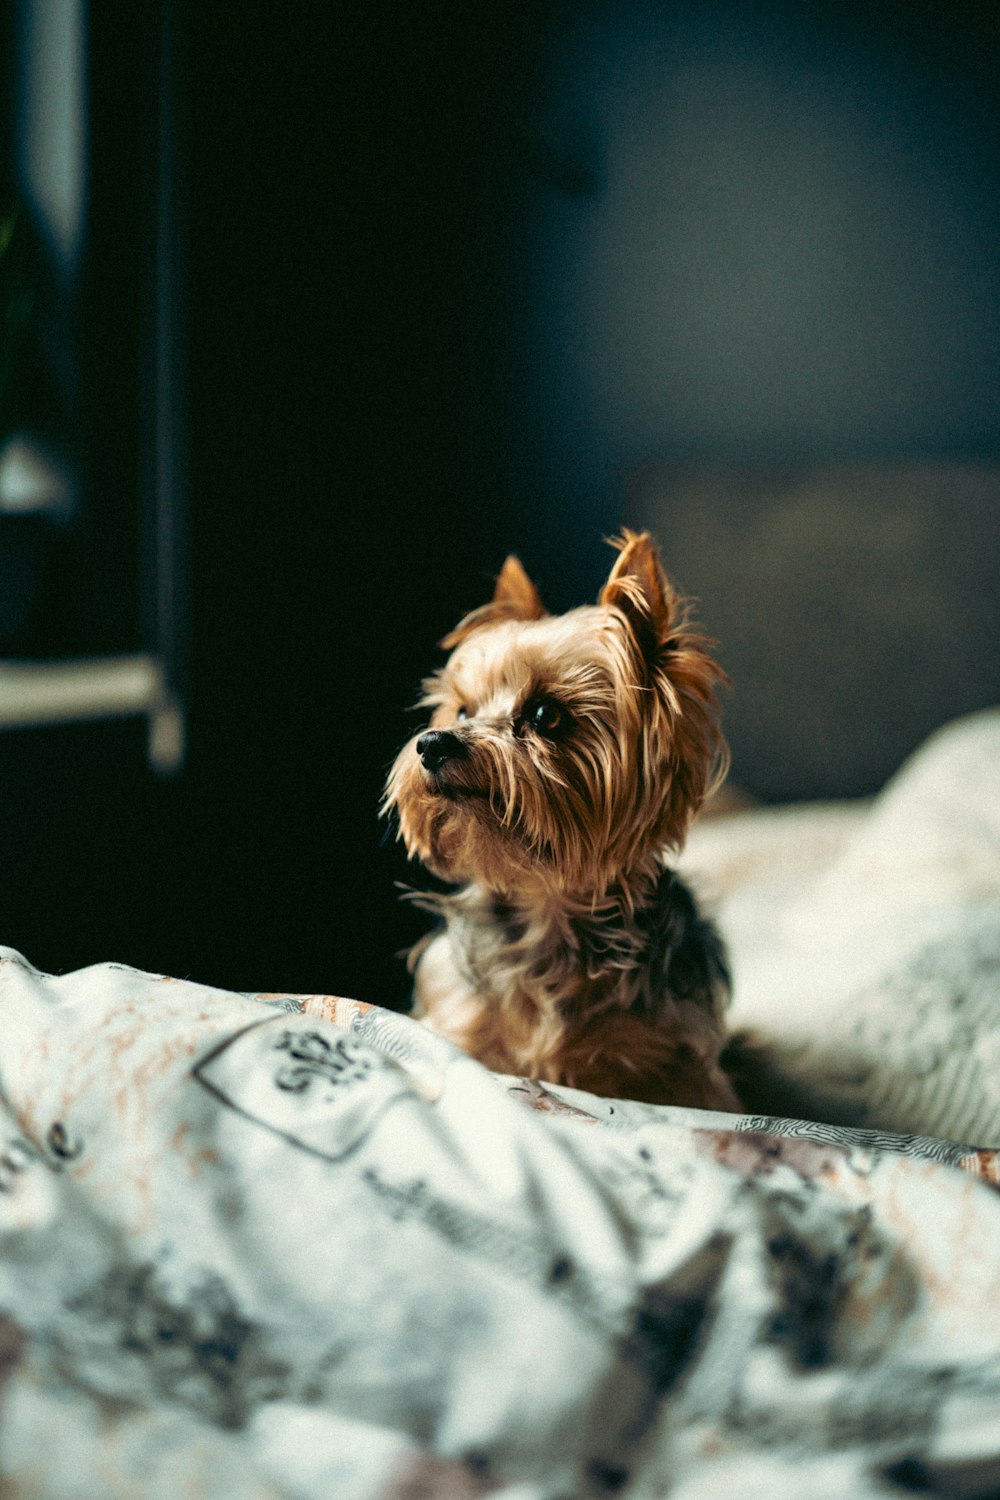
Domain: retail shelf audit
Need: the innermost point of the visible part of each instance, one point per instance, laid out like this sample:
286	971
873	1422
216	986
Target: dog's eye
545	716
461	712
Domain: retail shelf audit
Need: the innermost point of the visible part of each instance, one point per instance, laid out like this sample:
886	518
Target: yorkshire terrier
565	758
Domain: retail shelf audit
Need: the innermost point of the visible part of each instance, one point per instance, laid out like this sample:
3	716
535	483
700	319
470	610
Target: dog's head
566	750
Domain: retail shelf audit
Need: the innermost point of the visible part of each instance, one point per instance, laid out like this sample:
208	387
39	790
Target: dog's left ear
638	586
514	598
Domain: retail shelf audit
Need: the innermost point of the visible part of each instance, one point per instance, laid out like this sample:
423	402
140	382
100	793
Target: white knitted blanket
865	941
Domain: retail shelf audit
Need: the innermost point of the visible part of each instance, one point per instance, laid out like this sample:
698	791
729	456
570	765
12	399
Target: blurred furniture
856	607
92	550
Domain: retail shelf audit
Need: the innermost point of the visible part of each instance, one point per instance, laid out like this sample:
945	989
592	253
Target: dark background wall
454	275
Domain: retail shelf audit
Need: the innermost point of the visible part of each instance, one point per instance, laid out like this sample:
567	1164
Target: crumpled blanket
865	943
263	1246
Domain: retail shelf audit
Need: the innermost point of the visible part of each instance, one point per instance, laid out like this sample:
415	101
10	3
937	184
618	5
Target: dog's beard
461	821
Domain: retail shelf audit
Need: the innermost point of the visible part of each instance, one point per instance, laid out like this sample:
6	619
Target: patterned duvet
262	1246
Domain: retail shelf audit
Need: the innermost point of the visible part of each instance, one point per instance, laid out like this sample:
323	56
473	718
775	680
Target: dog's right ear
515	593
638	587
514	598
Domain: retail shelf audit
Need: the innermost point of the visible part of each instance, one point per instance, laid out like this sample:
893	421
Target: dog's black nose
438	745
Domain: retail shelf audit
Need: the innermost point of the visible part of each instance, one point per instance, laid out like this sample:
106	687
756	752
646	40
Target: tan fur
552	959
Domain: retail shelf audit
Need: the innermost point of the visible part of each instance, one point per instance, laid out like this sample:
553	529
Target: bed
296	1246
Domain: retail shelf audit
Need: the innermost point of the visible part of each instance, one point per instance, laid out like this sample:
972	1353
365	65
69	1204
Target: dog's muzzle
437	746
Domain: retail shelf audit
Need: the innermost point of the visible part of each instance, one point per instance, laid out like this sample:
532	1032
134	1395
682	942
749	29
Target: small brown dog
565	755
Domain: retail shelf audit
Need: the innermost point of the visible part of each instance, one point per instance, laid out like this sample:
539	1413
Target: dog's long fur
566	757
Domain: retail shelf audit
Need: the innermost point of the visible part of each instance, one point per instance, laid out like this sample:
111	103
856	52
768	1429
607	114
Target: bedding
286	1246
865	943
